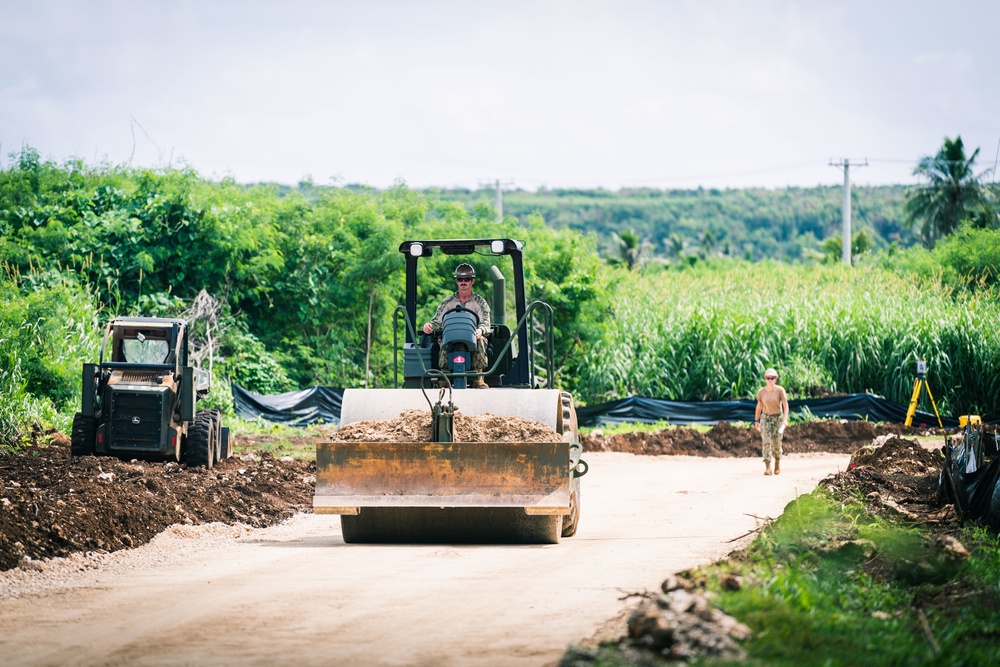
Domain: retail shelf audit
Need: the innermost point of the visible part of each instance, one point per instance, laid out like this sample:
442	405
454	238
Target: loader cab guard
532	366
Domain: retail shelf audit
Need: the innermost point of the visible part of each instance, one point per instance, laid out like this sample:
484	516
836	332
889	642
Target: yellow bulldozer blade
352	475
505	492
454	491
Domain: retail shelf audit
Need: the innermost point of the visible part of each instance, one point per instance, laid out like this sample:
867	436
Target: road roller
444	489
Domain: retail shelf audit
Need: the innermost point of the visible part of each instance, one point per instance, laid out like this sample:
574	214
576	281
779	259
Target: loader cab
497	261
160	343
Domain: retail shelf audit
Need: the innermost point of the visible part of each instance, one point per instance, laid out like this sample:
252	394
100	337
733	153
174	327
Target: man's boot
777	466
478	383
767	467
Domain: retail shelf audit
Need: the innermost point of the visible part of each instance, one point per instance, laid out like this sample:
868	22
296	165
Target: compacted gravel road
295	594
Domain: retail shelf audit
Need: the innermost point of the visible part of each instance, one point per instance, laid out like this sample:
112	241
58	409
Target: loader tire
572	520
82	435
201	442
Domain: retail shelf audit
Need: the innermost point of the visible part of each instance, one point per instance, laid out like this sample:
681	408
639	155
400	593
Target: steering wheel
462	309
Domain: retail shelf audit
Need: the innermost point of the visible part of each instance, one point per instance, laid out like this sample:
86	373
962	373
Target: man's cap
465	271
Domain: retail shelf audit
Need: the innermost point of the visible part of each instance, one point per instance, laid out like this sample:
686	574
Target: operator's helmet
465	271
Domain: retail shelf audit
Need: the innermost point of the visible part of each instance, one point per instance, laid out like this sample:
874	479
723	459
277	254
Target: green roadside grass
276	439
830	583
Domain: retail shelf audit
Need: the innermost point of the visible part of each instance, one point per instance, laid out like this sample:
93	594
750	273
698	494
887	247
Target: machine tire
201	441
570	425
82	435
572	520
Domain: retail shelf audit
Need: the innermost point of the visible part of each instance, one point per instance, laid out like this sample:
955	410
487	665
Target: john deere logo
135	420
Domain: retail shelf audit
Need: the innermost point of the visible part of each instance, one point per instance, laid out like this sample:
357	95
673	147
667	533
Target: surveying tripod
921	382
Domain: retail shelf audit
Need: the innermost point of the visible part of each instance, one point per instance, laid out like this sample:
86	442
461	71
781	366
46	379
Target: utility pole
499	190
845	245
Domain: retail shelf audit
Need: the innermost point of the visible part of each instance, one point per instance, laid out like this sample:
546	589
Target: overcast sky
556	93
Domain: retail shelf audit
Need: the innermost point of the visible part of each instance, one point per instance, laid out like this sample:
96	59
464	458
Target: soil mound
725	439
55	505
895	474
415	426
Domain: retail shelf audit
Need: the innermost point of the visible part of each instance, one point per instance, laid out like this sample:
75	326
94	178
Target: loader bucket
456	491
507	492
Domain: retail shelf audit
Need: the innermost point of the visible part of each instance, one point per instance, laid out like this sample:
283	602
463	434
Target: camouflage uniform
480	307
771	436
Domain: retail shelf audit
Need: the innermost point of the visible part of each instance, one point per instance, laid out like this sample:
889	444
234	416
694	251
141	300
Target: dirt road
296	594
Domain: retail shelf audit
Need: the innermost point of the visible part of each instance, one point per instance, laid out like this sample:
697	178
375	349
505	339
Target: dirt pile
54	505
895	474
679	624
676	624
728	440
415	426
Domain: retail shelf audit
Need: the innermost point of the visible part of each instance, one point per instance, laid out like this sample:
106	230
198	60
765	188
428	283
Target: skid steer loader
448	490
139	401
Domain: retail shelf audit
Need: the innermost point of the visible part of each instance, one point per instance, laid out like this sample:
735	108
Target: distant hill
787	224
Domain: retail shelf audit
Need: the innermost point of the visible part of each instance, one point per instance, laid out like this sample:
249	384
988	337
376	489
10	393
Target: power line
794	166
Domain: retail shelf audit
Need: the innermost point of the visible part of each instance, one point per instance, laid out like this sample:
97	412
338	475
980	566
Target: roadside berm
895	476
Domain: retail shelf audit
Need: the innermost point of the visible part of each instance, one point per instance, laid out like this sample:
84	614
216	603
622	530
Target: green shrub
48	329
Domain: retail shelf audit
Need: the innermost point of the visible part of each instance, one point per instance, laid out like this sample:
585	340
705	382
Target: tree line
299	284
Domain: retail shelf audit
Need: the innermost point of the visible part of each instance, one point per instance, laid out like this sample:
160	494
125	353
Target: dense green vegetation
297	286
305	283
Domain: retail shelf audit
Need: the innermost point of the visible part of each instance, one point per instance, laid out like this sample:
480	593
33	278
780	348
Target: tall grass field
708	333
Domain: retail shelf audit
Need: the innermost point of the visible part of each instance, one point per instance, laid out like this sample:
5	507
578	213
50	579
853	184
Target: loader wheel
572	520
201	442
82	435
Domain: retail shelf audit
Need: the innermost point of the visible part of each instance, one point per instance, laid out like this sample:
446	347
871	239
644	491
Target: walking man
771	418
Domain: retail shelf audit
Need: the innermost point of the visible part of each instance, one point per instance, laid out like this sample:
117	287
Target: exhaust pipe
498	316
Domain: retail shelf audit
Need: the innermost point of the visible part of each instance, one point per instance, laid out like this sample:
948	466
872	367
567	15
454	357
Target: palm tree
632	252
674	245
862	242
953	193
